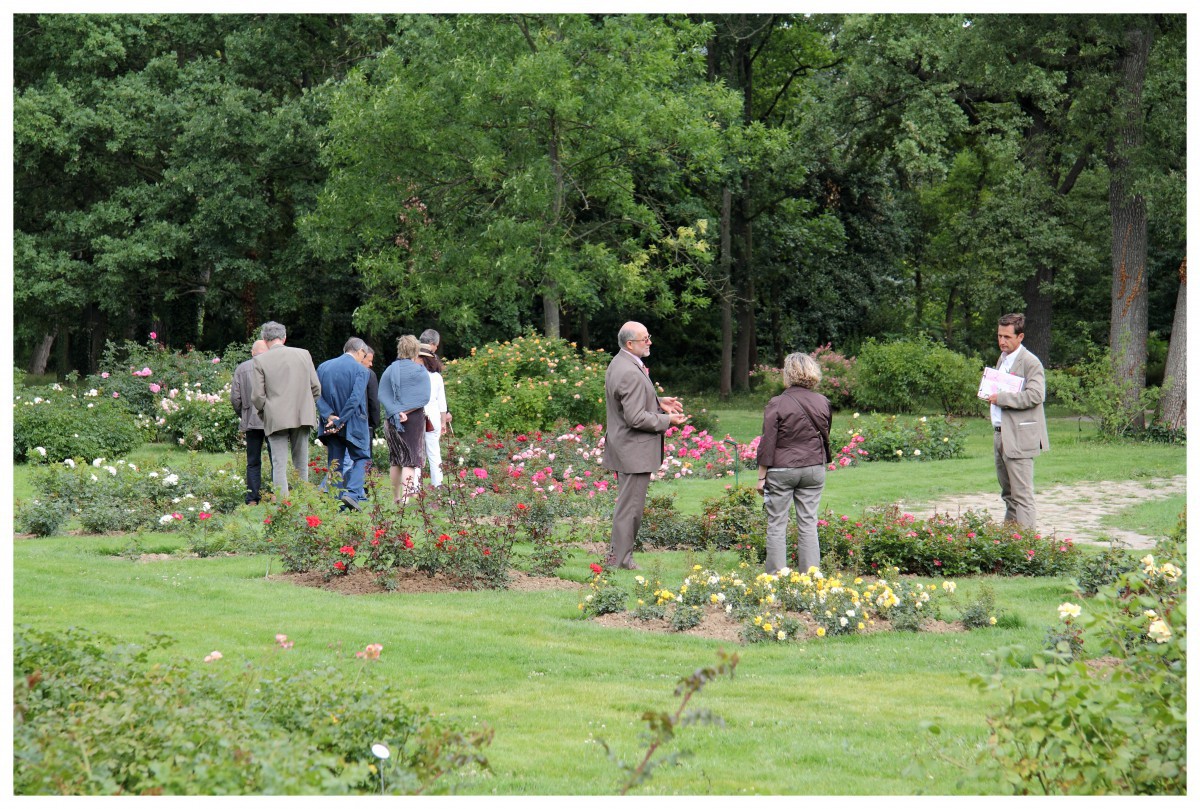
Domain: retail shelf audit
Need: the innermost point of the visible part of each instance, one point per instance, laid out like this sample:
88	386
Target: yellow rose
820	632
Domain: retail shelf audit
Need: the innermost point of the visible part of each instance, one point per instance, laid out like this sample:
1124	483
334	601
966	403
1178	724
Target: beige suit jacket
633	438
285	389
1022	419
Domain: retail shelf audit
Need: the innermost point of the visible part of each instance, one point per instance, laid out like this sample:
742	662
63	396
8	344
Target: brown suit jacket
635	423
1022	419
285	388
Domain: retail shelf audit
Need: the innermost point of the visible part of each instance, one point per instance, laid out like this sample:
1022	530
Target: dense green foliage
908	376
98	717
746	185
54	424
1120	728
524	384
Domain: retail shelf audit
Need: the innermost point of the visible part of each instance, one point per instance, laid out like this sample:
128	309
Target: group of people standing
281	397
795	449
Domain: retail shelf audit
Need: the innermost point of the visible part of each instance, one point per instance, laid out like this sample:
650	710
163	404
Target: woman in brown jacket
791	461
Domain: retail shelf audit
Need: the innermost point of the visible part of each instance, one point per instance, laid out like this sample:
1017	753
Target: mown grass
836	716
1153	518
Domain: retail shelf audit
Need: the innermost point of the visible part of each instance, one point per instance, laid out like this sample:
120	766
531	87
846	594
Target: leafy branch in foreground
662	726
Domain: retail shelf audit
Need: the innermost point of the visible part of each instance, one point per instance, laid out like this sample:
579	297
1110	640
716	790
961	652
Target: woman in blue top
404	391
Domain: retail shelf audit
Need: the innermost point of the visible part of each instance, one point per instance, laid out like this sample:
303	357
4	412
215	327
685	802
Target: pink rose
104	375
216	360
155	388
153	335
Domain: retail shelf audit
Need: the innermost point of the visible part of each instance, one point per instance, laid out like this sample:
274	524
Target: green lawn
835	716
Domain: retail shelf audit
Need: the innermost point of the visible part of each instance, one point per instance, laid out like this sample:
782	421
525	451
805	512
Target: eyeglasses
645	339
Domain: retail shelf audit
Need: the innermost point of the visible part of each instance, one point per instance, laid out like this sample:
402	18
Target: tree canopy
745	184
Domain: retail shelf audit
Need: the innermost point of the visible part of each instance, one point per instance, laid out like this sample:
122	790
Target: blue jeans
347	465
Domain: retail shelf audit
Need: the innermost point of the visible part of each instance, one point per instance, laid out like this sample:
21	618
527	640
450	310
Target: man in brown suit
633	440
285	393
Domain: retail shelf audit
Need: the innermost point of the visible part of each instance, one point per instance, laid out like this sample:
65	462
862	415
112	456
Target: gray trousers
627	516
787	487
283	443
1016	487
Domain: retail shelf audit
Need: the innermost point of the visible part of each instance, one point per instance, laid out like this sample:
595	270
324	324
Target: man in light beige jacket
1019	422
285	394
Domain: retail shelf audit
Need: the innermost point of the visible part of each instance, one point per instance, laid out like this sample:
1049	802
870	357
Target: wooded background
746	185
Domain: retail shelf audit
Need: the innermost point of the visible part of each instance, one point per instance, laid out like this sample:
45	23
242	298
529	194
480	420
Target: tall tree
493	168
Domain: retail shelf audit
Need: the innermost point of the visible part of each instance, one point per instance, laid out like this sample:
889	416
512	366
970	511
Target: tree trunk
1130	287
550	290
1039	313
41	355
550	311
726	293
1172	408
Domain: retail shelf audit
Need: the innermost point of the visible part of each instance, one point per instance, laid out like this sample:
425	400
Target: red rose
267	521
374	541
348	550
340	565
521	506
378	533
313	521
204	515
597	569
487	552
408	543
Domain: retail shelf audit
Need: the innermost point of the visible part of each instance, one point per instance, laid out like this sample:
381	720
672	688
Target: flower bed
119	496
941	545
775	608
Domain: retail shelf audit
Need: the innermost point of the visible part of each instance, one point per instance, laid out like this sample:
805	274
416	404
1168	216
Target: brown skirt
407	448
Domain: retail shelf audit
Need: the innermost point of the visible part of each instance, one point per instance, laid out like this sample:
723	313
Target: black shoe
351	502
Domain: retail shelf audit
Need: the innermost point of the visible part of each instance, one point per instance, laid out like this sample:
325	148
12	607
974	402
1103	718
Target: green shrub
1108	729
200	421
907	376
980	613
1091	389
141	375
67	425
839	376
42	517
95	718
1103	568
966	545
922	439
526	384
663	527
732	519
119	496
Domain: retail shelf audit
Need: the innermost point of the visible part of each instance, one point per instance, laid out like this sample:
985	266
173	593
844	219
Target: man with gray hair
285	393
251	423
344	427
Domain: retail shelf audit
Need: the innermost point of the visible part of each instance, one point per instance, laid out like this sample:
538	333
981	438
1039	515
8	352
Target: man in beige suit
1019	422
633	438
285	393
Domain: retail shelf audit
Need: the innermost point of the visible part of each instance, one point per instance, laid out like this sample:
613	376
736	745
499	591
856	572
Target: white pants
433	451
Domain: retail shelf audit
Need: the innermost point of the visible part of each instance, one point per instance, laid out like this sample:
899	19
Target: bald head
634	338
259	347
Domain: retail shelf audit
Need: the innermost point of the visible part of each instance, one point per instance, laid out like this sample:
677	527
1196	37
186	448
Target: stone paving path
1076	511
